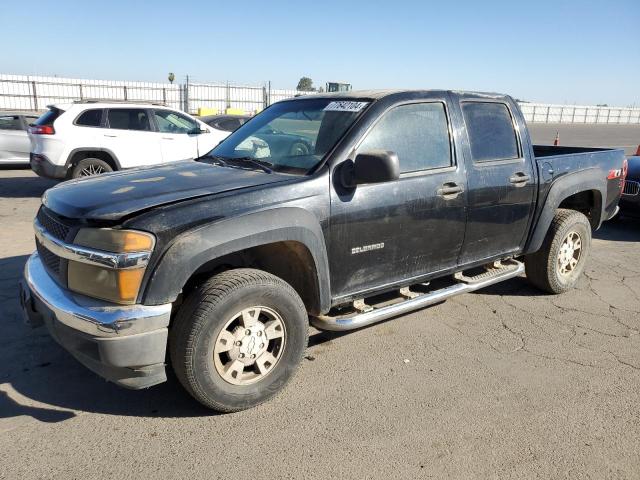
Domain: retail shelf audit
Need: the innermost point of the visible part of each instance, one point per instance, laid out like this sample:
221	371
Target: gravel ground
503	383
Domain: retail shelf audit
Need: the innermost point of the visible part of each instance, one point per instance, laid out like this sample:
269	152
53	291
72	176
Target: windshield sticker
345	106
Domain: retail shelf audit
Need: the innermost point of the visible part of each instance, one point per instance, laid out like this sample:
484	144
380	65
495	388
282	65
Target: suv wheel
556	267
237	339
88	167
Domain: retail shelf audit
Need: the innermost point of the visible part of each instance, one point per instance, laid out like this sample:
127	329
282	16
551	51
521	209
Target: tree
305	84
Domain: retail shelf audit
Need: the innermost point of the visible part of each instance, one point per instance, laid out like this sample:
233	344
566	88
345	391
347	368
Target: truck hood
115	195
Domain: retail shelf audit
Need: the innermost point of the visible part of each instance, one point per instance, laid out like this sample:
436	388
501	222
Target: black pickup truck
218	265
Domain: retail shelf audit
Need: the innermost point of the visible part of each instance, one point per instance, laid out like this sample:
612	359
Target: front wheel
556	267
238	339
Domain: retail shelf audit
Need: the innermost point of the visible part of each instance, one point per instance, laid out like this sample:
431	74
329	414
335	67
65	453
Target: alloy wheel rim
249	346
90	170
569	254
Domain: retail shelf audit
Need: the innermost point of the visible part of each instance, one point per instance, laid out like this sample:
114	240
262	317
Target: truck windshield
290	136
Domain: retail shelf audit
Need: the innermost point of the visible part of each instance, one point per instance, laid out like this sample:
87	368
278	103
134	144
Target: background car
225	123
630	199
269	141
89	138
14	141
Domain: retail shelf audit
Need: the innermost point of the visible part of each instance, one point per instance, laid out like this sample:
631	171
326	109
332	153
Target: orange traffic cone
638	152
556	142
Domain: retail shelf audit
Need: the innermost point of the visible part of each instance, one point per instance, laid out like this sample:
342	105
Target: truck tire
88	167
556	267
238	339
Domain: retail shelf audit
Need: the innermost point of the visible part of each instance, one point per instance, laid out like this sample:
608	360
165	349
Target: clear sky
548	51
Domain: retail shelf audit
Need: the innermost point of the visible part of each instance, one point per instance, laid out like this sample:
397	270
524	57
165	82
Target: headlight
119	285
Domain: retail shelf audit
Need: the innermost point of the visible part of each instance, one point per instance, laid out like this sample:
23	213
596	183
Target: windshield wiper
261	164
215	159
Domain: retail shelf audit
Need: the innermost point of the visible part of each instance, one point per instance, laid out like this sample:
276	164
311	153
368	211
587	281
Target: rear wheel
238	339
556	267
88	167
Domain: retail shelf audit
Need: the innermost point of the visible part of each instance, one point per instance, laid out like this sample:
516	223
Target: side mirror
373	166
198	131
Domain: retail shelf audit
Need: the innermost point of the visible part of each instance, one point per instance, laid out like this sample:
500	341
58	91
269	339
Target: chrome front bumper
123	343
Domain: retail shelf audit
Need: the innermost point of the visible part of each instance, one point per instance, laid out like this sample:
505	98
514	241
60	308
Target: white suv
88	138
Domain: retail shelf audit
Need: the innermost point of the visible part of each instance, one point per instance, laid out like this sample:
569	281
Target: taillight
42	130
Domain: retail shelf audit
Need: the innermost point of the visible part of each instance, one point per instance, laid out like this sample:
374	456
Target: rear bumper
44	168
124	344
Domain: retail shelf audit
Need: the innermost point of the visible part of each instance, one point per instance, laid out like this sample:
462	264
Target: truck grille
53	226
55	265
631	188
51	260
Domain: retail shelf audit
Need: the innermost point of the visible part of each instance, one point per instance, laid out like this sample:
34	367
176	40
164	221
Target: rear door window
491	132
129	119
10	122
418	133
90	118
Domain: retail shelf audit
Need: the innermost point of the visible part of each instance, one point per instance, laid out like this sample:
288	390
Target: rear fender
561	189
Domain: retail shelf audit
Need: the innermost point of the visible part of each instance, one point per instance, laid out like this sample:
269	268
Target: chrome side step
357	320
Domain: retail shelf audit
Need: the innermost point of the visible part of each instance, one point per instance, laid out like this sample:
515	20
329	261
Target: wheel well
588	202
289	260
104	156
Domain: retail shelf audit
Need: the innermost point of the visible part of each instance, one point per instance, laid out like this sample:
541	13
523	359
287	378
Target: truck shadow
24	185
40	379
624	229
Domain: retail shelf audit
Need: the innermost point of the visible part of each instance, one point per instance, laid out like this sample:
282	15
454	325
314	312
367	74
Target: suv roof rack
108	100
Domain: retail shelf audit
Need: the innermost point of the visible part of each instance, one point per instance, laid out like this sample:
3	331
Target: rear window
228	124
48	117
90	118
490	130
129	119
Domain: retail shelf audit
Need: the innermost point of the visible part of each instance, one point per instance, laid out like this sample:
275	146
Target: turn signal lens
129	283
117	241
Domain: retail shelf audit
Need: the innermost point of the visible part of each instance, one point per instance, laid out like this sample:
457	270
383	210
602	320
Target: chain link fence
542	113
31	93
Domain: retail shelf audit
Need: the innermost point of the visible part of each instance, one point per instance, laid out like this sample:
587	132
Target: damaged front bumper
125	344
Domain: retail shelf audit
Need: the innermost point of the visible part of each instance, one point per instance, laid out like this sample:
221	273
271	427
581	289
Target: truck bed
600	168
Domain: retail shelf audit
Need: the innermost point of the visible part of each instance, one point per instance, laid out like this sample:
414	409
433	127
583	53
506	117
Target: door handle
110	136
167	138
449	190
519	179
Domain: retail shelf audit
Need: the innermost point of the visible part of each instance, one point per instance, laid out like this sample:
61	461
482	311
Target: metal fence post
186	95
533	119
124	88
164	95
227	96
35	95
548	110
